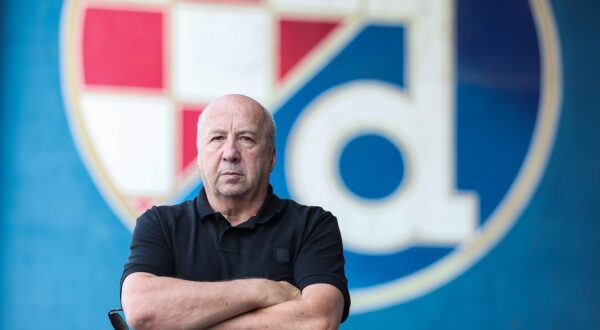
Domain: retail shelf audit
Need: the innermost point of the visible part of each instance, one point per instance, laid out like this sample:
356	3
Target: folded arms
153	302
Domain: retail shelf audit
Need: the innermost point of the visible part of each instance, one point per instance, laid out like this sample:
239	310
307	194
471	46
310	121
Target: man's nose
230	151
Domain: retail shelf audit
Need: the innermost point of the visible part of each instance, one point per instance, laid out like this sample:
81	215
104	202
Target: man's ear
198	168
272	161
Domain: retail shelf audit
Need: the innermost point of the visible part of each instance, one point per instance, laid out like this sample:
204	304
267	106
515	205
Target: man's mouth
230	173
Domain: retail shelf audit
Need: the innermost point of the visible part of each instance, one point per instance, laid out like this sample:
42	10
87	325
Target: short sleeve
321	257
150	249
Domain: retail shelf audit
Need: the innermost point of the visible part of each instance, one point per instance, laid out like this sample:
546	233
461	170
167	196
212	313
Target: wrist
258	289
263	288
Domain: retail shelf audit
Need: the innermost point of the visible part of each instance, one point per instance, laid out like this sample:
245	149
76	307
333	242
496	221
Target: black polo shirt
285	241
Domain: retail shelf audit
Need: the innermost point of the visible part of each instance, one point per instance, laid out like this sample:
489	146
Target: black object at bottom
116	320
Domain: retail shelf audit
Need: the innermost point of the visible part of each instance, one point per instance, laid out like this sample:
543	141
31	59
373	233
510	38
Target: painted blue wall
62	247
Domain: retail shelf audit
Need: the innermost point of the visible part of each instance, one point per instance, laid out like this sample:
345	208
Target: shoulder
293	208
307	216
168	215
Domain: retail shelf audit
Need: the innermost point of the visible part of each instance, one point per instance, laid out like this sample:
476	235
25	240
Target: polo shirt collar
272	206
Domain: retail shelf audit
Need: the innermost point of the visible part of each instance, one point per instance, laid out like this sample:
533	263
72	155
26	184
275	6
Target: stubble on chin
231	193
231	189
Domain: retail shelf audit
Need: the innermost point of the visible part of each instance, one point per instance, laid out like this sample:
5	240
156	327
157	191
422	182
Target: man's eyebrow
247	131
216	131
242	132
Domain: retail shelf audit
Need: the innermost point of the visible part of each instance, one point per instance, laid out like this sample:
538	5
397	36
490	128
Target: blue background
62	248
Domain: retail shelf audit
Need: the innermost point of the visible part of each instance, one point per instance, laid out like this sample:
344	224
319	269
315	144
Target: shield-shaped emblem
424	125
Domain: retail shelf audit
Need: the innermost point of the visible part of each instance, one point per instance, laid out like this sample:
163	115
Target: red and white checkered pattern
148	68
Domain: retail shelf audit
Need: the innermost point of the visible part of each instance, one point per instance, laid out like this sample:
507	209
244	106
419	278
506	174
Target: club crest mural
423	125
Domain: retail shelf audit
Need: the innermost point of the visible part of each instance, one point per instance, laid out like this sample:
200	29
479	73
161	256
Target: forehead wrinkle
232	106
237	132
234	126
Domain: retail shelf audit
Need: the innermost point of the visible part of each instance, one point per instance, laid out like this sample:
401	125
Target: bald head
237	103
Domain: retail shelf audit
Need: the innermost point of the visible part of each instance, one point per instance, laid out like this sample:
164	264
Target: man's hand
320	306
279	292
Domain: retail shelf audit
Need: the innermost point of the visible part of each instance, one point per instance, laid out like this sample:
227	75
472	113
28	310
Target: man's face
234	155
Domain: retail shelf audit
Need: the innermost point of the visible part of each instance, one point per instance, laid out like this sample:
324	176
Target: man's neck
237	209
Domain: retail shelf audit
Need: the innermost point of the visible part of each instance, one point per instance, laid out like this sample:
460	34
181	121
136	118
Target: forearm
314	310
287	315
152	302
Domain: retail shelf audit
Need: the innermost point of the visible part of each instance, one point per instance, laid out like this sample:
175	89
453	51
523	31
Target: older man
236	256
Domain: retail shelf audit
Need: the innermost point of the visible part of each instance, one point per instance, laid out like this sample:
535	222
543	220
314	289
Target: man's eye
246	139
217	138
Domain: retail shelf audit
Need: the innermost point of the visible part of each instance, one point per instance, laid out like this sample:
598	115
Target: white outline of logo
435	275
